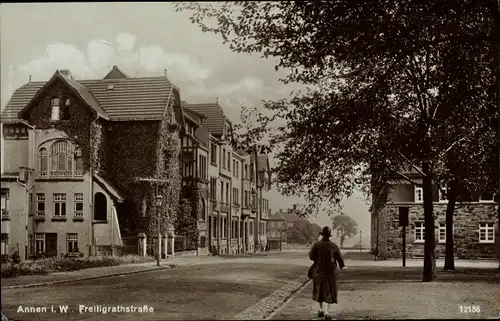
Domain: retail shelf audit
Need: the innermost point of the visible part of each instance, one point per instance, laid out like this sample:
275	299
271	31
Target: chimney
66	73
281	211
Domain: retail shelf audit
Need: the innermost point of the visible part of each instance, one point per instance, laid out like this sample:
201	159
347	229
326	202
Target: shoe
321	314
328	317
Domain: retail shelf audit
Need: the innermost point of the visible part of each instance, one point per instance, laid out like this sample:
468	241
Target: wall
15	154
16	226
466	225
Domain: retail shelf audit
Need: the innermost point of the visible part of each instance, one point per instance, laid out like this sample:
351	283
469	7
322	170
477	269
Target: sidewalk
62	277
392	296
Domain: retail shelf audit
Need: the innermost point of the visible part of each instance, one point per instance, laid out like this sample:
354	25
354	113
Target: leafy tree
303	232
385	82
345	227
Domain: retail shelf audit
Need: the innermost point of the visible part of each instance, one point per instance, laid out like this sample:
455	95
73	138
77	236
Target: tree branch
451	146
408	179
411	164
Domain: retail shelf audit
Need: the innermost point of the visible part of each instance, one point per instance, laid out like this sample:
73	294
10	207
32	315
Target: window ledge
77	219
419	242
487	242
39	218
66	179
59	219
99	221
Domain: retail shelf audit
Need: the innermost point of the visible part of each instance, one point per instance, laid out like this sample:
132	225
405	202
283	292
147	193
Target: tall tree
381	79
345	227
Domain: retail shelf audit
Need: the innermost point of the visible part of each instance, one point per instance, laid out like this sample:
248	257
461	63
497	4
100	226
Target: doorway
51	248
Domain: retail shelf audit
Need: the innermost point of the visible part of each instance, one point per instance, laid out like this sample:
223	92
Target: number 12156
469	309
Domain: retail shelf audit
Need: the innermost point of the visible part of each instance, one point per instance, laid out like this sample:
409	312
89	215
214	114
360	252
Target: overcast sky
142	40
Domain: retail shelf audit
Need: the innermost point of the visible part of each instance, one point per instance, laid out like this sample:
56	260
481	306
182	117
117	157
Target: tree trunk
498	229
449	260
429	272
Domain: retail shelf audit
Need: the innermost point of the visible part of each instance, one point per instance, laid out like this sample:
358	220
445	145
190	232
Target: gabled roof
77	88
115	73
276	217
109	188
291	217
122	99
215	118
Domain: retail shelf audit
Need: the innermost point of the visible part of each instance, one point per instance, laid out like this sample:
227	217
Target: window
100	207
65	109
59	204
442	233
250	232
213	154
486	233
227	192
40	204
236	196
78	162
246	172
4	248
43	162
223	227
55	112
78	204
222	192
203	167
419	195
228	161
39	243
486	197
419	232
5	202
223	158
213	188
234	168
443	194
214	227
61	159
72	241
30	204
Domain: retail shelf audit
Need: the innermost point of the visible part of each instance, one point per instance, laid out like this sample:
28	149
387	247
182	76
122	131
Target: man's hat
326	231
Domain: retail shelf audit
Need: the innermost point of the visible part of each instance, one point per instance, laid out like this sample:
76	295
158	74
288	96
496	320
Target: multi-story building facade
74	153
239	207
475	221
195	176
276	231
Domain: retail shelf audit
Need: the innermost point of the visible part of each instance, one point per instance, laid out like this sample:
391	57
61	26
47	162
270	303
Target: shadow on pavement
414	274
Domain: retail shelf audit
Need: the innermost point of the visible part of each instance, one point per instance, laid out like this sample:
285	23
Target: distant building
277	231
475	221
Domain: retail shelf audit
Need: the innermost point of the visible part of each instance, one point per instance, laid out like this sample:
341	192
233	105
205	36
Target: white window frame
5	197
420	227
58	200
489	230
55	114
4	246
72	238
417	190
442	228
40	239
78	200
40	199
443	198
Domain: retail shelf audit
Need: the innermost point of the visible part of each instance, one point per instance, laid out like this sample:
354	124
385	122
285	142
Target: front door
51	239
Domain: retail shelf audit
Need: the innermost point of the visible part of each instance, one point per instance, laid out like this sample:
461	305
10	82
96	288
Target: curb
266	308
34	285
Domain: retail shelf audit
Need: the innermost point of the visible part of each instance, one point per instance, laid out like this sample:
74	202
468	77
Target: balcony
224	207
78	216
216	205
40	216
78	174
59	218
5	215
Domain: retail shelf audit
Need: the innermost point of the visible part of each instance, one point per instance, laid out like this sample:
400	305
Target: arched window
100	207
78	162
43	164
61	159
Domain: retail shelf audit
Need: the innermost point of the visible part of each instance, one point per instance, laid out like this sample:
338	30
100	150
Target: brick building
475	222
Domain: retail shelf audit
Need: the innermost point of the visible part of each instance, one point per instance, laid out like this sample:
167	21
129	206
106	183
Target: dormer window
55	109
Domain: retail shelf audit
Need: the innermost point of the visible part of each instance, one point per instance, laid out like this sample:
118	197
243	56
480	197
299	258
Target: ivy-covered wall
77	127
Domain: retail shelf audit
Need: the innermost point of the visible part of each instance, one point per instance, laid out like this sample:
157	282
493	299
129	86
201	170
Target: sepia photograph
250	160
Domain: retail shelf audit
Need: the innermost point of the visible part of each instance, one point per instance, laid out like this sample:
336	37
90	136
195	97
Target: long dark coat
325	255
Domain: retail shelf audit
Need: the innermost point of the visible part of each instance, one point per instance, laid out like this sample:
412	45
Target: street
234	288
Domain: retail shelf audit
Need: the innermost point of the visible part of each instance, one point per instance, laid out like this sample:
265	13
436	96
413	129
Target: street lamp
159	200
